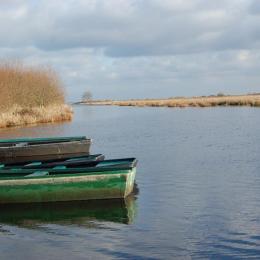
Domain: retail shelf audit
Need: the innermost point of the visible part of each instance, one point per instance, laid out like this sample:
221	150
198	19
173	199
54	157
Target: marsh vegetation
205	101
30	95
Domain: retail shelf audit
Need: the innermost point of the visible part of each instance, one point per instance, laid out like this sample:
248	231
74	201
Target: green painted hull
116	183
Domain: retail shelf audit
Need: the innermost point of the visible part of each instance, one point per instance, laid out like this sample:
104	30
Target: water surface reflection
80	213
199	179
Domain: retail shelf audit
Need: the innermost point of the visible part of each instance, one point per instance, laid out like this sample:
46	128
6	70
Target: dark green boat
21	149
106	180
86	160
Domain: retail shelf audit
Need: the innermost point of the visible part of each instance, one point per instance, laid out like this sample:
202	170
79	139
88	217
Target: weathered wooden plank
42	139
13	153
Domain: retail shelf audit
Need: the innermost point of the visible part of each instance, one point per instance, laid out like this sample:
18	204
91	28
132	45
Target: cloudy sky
138	48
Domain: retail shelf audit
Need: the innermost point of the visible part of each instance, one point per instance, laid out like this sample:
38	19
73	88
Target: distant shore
252	100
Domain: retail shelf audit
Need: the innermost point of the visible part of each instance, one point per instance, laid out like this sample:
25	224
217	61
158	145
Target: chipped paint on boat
98	185
130	182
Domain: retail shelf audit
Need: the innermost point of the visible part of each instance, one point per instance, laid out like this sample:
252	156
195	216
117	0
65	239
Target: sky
123	49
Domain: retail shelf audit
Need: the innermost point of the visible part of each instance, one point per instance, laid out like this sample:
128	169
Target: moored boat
84	160
106	180
15	150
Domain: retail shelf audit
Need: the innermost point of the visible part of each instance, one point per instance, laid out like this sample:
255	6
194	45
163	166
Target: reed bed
18	116
211	101
31	95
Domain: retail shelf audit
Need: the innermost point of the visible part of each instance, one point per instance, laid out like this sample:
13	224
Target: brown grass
211	101
23	116
30	95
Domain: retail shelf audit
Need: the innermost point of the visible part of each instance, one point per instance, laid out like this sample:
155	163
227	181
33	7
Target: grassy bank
23	116
209	101
31	95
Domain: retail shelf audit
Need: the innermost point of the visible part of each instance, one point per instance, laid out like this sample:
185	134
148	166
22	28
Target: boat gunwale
70	156
26	164
130	162
54	173
42	139
43	145
66	172
64	177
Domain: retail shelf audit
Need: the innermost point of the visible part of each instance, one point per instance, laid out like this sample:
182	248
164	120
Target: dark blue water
198	179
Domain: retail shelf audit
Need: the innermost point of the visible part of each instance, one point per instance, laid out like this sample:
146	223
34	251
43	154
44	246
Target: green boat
21	149
106	180
86	160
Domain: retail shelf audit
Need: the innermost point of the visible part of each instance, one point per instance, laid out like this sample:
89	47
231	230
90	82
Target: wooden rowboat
106	180
86	160
14	150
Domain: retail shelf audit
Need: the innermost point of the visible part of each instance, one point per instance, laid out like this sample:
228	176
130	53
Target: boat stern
130	180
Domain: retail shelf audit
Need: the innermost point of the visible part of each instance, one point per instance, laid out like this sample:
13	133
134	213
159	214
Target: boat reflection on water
81	213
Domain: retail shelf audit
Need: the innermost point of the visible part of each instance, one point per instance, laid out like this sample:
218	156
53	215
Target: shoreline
22	116
252	100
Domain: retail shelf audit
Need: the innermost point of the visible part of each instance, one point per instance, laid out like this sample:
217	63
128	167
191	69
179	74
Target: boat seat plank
58	167
38	174
33	164
22	144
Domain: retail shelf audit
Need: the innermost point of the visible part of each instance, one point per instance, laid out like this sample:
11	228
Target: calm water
199	189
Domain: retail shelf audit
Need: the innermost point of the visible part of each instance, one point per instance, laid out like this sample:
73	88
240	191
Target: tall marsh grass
30	95
17	115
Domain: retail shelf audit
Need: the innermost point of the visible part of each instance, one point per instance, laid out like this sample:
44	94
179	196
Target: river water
198	181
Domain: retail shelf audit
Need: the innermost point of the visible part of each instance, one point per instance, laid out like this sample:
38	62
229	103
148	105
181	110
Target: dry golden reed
30	95
211	101
23	116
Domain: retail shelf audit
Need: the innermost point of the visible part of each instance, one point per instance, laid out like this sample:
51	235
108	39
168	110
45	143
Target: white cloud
142	45
128	28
